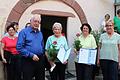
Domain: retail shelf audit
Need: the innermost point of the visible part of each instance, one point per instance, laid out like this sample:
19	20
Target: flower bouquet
52	52
77	44
52	55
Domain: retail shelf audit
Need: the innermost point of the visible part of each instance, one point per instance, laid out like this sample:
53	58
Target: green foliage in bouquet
52	52
77	45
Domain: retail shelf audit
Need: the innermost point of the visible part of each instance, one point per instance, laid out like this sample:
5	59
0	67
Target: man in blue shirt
31	46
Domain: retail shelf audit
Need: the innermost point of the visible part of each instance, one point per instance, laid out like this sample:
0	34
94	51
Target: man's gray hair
36	17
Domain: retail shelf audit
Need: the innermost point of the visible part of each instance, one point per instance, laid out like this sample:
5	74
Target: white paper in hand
67	54
83	56
87	56
63	55
93	55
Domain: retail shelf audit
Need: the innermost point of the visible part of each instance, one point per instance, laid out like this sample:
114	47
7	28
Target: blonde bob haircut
110	21
57	25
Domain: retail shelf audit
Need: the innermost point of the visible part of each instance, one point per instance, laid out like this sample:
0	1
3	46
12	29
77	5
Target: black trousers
59	72
13	66
83	71
33	68
109	69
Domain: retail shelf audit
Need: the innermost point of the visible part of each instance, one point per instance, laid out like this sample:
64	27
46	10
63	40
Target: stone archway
22	5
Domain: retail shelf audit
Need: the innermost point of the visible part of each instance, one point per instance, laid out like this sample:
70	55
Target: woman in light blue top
109	50
57	39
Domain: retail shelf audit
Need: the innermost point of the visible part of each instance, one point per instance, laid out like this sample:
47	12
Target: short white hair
36	17
58	25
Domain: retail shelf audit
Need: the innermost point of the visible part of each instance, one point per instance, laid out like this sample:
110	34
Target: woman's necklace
11	37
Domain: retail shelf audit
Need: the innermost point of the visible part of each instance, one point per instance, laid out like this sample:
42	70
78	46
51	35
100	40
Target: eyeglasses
108	25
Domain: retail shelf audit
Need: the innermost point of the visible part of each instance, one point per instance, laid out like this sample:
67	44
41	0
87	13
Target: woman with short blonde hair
109	49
